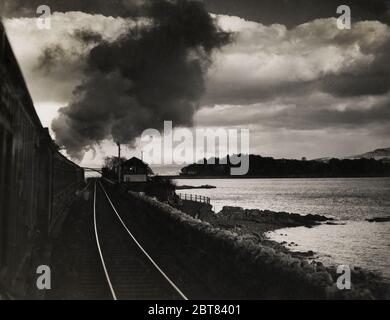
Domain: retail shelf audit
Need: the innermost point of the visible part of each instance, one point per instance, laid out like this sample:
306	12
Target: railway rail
131	273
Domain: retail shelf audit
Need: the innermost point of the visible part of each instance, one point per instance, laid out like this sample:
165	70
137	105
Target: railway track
131	273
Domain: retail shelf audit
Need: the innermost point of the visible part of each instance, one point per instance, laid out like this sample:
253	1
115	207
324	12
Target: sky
303	87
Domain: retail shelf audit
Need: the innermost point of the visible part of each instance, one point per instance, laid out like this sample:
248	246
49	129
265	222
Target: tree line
285	168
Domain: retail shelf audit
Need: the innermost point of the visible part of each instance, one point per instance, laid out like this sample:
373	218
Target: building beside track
135	170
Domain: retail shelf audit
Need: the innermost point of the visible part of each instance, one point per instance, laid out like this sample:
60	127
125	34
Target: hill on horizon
377	154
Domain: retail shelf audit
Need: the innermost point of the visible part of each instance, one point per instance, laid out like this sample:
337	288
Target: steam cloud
153	73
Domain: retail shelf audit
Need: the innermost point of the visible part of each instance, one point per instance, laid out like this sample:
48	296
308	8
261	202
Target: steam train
37	182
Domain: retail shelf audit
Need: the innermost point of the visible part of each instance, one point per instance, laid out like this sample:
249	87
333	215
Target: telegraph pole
119	162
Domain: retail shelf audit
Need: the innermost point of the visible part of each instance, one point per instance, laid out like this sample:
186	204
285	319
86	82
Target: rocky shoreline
253	224
233	243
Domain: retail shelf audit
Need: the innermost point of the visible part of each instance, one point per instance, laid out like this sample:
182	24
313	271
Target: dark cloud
268	62
371	79
294	12
55	58
28	8
357	84
315	112
229	93
87	37
151	74
50	58
362	117
287	12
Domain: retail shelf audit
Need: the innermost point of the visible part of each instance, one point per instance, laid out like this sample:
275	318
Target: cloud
287	12
303	88
52	61
313	129
269	61
311	90
295	12
340	142
313	111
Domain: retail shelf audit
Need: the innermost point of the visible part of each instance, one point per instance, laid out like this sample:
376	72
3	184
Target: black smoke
153	73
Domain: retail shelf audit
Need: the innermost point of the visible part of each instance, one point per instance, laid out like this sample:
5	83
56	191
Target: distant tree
110	166
290	168
111	163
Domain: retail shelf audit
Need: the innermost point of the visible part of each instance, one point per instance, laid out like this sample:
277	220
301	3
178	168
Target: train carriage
37	182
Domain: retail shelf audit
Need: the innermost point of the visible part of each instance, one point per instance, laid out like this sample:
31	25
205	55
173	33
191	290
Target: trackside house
135	170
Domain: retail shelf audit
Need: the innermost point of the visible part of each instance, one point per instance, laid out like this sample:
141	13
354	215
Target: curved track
130	271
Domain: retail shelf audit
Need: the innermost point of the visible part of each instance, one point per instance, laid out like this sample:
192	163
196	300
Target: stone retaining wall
195	209
259	270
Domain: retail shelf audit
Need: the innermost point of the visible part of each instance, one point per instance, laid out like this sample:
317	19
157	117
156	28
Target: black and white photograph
211	151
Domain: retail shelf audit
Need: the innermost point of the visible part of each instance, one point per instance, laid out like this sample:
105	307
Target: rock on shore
379	219
279	219
185	187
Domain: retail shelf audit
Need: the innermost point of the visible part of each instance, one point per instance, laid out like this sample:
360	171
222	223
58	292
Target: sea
353	241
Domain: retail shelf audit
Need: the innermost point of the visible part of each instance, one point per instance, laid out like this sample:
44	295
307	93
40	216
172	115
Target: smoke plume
153	73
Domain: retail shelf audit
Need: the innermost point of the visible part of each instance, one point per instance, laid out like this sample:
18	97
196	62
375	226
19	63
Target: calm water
357	243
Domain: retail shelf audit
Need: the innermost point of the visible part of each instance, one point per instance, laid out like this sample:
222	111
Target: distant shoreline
178	177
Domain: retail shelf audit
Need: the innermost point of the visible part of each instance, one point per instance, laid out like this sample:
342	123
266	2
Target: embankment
258	270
